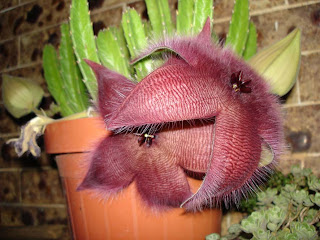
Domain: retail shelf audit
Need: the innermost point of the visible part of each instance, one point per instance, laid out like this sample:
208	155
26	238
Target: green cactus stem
112	50
192	15
239	27
54	79
202	10
136	40
147	28
71	75
185	16
251	44
84	42
160	17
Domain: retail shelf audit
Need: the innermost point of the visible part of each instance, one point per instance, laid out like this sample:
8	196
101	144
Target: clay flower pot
124	216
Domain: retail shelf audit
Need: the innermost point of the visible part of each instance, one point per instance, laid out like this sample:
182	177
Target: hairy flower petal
112	88
112	167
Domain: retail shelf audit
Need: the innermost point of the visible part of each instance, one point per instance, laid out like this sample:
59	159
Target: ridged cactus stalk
136	40
84	42
63	76
54	79
112	50
192	15
160	17
71	75
251	44
239	27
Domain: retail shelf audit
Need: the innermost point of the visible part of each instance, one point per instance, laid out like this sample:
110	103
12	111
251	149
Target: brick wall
30	190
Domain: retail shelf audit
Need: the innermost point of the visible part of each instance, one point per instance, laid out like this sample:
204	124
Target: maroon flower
185	117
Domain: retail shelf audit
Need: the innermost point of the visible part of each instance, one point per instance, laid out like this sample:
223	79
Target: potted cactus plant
162	118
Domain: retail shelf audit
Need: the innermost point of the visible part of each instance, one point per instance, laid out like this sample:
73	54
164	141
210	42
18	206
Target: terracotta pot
123	217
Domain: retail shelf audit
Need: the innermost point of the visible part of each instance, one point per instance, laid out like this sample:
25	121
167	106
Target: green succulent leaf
314	183
311	215
296	171
266	197
239	25
306	172
290	188
276	215
254	222
300	195
287	236
316	198
84	42
234	229
261	234
281	201
213	236
272	227
303	230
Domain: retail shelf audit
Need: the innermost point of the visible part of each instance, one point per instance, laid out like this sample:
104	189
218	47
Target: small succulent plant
289	208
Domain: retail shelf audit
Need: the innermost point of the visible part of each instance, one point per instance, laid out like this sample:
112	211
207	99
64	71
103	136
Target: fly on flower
202	126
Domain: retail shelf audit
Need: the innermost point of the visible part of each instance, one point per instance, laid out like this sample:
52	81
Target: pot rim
72	136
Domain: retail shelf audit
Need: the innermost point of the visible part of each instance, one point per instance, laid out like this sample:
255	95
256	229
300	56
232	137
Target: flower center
238	84
146	139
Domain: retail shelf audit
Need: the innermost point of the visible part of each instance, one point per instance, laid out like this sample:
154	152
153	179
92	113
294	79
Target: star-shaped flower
182	119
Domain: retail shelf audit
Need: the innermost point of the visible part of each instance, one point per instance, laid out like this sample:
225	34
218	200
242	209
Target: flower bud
20	95
279	64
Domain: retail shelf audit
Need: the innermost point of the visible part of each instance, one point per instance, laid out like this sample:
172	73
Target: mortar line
97	11
19	51
18	5
25	65
309	52
9	135
303	104
271	10
33	205
298	90
17	169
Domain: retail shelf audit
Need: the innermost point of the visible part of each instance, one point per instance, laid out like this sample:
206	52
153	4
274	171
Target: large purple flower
205	111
